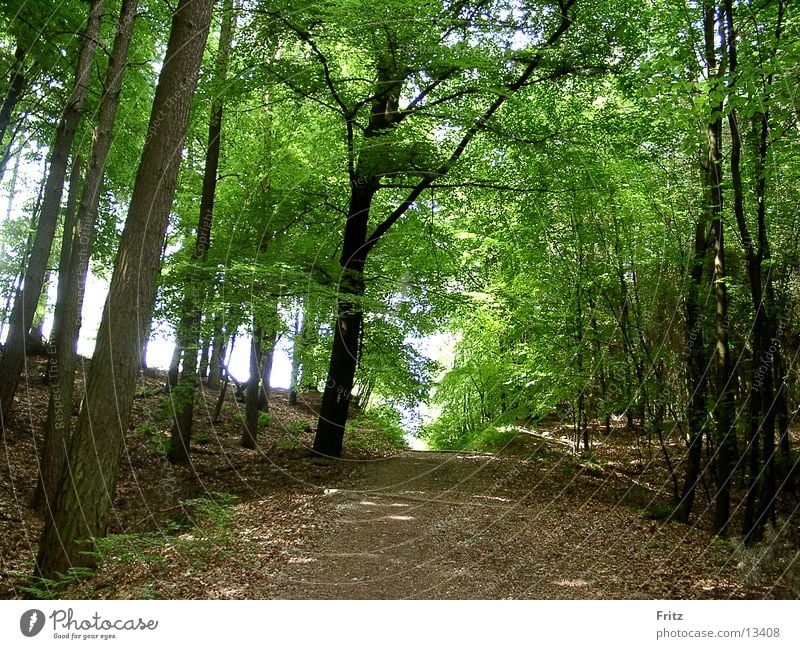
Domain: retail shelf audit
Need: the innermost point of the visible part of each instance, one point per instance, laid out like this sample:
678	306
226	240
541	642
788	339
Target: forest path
442	525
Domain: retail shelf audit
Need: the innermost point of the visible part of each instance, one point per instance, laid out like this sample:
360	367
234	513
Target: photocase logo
31	622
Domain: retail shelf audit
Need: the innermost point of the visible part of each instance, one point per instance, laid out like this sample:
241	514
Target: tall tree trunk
725	438
357	243
143	357
13	361
268	345
182	427
23	262
85	493
183	403
12	188
772	352
761	415
766	345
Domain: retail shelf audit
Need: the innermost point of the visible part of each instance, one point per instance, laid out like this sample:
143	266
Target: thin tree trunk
183	403
16	87
63	265
224	387
13	361
772	356
143	359
34	343
205	353
85	493
250	424
217	350
725	439
268	346
766	345
12	188
70	216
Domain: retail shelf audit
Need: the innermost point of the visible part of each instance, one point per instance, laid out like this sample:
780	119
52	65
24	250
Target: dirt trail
441	525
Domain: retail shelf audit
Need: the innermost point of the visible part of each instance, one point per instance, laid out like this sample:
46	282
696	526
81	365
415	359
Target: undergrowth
203	534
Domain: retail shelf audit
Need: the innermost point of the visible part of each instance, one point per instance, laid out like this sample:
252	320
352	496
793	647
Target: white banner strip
406	625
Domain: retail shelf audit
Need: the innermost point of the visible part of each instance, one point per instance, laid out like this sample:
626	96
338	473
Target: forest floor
533	521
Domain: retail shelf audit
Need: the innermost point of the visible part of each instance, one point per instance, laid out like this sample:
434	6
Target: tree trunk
775	406
224	387
34	343
205	353
250	425
182	428
766	344
357	244
268	357
696	362
183	404
143	357
725	437
67	243
85	493
23	258
297	341
13	362
217	351
349	321
16	87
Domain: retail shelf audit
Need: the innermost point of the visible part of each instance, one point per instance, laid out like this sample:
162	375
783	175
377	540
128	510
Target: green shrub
297	427
145	430
377	429
160	442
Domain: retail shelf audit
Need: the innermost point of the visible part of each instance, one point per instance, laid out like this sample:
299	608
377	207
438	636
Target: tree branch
305	36
425	183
